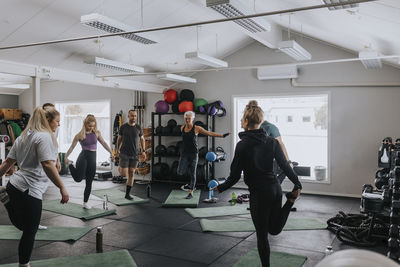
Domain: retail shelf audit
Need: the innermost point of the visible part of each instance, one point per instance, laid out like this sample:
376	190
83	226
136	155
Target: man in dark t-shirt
129	149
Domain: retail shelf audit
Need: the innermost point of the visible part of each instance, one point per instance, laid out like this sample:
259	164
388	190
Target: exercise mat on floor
117	197
177	198
52	233
277	259
106	259
75	210
246	225
218	211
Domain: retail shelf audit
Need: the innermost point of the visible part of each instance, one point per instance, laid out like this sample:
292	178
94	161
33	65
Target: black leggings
268	215
85	168
24	212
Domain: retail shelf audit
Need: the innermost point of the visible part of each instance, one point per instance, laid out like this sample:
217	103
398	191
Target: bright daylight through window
303	125
71	121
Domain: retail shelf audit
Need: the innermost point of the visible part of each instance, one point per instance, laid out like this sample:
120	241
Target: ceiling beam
48	73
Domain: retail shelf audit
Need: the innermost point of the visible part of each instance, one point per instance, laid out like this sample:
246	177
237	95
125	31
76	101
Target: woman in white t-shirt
35	152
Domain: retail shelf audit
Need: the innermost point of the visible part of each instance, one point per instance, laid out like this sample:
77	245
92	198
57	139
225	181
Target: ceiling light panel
344	6
234	8
206	60
114	65
176	78
109	25
294	50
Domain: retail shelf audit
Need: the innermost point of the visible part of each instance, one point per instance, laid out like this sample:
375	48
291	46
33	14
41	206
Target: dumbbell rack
210	123
393	241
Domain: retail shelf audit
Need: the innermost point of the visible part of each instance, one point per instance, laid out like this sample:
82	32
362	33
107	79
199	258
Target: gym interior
324	73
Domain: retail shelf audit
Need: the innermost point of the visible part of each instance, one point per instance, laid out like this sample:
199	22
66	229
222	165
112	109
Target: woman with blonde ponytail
86	162
35	152
254	155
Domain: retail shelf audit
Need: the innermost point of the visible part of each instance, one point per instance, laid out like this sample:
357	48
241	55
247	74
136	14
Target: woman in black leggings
35	152
86	162
254	155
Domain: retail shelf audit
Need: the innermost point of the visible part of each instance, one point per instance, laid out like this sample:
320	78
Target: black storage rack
210	124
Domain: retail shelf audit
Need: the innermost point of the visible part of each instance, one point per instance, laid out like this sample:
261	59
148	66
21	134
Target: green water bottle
233	202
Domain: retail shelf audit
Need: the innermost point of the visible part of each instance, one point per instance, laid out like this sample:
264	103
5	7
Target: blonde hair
38	123
253	114
89	119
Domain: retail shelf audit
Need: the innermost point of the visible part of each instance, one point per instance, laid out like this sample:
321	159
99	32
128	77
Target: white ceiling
375	24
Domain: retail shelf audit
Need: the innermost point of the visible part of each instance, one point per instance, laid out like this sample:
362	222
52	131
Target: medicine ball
185	106
171	150
172	123
159	130
198	102
170	96
161	107
175	106
161	150
186	95
166	130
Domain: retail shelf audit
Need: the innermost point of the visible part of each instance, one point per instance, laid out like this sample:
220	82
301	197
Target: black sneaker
189	196
128	197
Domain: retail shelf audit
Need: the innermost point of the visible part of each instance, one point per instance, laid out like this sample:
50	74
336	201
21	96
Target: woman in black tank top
189	151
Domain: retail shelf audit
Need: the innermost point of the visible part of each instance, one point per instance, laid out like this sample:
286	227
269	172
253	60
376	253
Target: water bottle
148	190
99	240
233	202
105	202
328	251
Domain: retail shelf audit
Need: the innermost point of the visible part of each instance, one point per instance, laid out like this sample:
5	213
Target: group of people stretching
36	154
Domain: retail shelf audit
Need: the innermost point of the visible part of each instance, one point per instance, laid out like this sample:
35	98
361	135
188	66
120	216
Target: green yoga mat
52	233
117	197
177	199
113	258
246	225
218	211
277	259
75	210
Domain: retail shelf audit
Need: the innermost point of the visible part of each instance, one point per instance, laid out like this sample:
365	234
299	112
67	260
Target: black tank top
189	141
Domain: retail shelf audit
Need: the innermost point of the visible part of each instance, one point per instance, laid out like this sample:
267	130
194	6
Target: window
306	139
71	122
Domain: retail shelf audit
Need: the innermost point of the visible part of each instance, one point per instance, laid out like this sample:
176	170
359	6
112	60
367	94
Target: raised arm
71	148
203	131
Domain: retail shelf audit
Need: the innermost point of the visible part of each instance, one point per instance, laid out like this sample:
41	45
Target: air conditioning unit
277	72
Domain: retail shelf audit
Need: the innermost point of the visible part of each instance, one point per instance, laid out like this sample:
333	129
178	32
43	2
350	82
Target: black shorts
128	162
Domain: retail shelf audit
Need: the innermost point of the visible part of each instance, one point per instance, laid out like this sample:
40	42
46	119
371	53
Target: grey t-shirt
270	129
29	153
130	139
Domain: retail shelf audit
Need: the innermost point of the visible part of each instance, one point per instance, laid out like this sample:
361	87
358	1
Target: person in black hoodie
254	155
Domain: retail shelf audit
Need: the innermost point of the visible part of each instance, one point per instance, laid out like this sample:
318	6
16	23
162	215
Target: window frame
234	125
98	167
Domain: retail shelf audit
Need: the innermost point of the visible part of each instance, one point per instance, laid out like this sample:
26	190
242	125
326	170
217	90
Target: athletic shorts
128	162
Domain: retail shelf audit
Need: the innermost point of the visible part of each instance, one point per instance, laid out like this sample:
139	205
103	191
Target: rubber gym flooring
157	236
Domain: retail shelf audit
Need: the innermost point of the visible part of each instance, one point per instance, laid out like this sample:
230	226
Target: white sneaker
86	206
42	227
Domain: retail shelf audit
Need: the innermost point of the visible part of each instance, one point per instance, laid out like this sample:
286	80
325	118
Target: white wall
360	117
